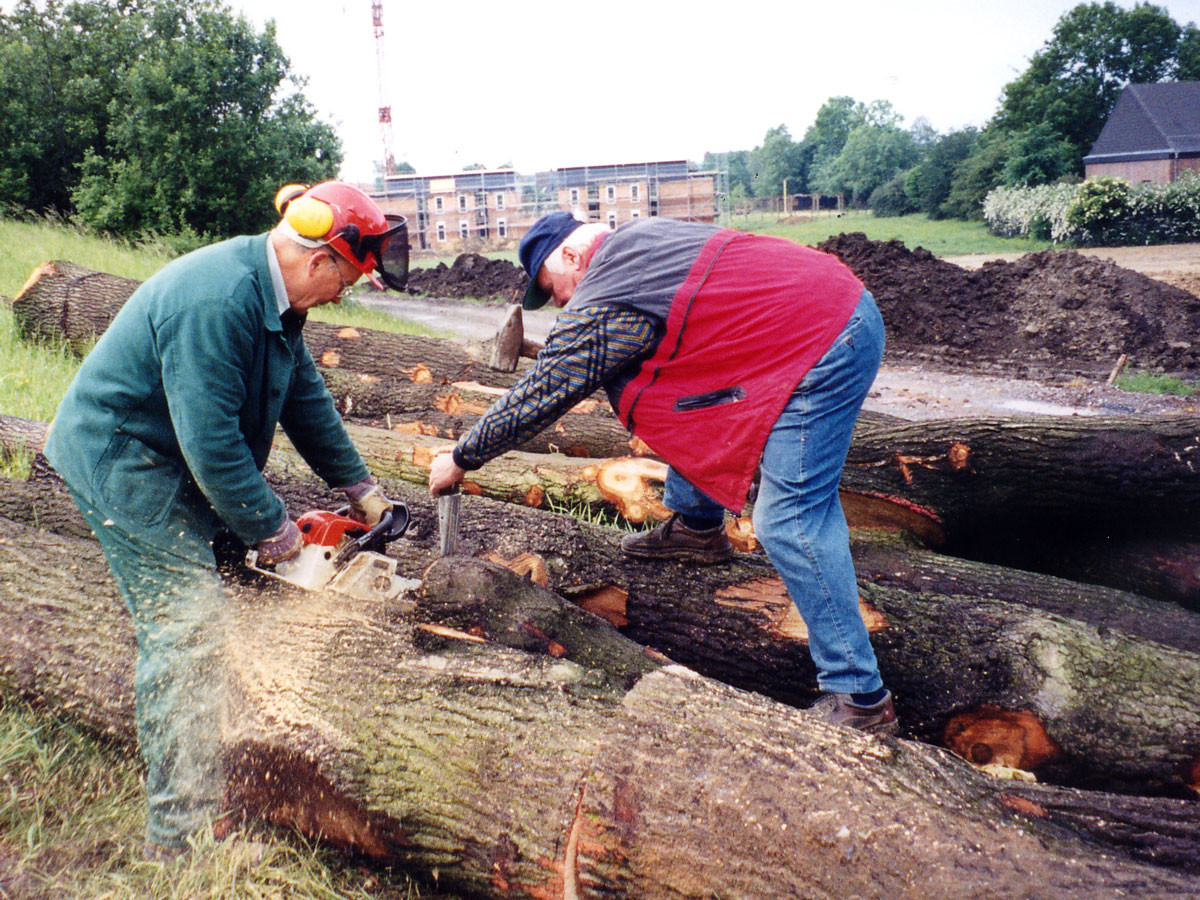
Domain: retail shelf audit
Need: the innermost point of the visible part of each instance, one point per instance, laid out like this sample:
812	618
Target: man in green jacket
162	437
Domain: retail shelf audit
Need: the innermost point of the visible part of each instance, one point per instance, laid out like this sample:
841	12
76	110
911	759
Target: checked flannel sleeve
585	348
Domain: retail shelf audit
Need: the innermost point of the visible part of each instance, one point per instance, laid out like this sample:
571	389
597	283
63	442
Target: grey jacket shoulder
641	265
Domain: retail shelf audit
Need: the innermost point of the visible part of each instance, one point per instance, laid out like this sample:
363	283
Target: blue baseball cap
539	242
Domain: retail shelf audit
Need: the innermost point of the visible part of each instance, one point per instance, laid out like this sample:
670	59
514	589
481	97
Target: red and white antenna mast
385	110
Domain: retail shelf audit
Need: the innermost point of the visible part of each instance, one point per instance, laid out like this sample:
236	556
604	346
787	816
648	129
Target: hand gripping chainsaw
342	555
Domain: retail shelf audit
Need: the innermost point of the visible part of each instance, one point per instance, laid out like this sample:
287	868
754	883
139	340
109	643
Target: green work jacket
179	400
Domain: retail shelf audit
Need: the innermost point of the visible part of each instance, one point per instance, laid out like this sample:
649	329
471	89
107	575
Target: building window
502	227
439	204
483	232
441	231
635	193
635	214
612	220
499	201
574	196
610	193
462	202
464	230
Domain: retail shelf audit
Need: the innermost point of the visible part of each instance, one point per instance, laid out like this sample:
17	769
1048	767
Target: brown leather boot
840	709
674	540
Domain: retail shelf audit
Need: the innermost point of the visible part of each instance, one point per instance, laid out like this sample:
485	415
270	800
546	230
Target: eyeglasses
346	285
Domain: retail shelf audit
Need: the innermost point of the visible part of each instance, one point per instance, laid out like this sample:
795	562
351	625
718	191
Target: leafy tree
737	166
976	176
834	121
891	198
1038	156
871	156
777	159
179	121
58	72
928	183
1073	82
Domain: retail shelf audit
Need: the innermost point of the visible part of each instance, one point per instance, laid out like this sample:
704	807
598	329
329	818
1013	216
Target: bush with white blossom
1100	211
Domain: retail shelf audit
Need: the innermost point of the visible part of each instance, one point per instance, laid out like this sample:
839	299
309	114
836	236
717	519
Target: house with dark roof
1151	136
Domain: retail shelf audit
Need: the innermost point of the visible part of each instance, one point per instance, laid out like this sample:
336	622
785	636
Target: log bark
511	774
63	302
1086	686
989	481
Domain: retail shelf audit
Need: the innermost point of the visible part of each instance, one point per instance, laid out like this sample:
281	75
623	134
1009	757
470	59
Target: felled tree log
1084	685
511	774
985	481
1157	567
630	486
63	302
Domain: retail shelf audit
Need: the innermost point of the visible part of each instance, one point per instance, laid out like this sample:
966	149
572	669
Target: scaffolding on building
482	208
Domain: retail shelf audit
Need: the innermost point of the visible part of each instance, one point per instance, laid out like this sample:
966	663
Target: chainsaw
341	555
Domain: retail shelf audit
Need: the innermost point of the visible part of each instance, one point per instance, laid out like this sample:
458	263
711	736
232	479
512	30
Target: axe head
447	510
506	347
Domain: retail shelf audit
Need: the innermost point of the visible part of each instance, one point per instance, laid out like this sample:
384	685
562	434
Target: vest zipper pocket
712	398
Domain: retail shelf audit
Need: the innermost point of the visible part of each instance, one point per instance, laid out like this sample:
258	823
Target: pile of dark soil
471	275
1050	313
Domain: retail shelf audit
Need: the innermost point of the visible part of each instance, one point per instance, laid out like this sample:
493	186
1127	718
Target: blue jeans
798	518
167	577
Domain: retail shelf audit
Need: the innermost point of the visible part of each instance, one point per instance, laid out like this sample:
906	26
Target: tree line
1047	120
174	118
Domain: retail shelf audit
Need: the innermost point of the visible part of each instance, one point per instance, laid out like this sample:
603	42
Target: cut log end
769	597
527	565
878	511
46	270
741	534
609	602
990	735
625	483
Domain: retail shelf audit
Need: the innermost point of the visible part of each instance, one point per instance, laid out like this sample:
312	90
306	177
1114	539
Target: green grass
947	237
1143	382
71	820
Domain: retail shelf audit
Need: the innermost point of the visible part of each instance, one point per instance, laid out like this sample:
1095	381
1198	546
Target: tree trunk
1084	685
511	774
986	482
65	302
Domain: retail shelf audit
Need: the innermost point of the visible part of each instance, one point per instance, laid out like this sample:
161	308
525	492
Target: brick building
1151	136
491	209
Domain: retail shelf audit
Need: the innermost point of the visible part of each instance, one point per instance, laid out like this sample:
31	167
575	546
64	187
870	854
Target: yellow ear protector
312	218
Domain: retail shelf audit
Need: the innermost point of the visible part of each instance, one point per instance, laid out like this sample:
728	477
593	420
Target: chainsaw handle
390	527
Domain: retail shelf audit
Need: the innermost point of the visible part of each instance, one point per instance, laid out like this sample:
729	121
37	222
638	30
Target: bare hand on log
444	473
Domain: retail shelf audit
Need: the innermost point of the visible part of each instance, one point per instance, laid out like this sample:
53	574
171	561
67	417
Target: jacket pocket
138	482
710	399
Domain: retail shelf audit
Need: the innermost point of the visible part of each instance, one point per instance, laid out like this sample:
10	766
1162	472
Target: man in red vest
725	352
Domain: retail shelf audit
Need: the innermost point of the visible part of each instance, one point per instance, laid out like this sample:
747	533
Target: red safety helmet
340	216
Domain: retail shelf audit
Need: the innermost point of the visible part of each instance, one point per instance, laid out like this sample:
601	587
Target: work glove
367	502
284	543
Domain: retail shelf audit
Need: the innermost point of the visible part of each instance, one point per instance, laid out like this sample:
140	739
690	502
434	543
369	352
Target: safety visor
390	249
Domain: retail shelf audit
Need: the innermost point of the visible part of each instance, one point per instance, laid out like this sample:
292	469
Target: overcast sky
578	82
